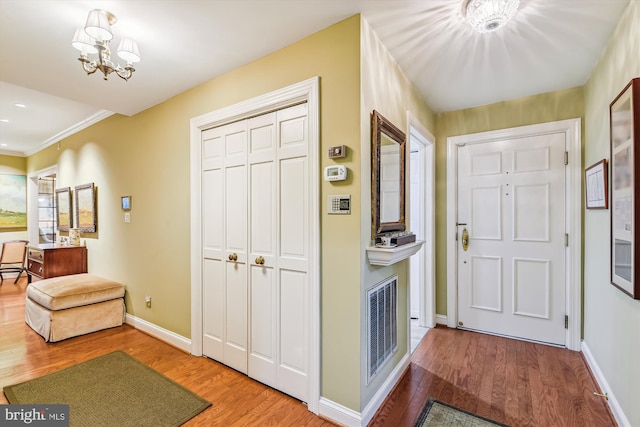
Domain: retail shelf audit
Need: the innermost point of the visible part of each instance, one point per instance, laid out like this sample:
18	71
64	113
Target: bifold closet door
256	247
224	200
279	250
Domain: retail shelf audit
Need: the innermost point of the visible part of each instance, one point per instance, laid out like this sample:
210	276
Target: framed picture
125	202
624	114
595	178
64	214
13	201
86	208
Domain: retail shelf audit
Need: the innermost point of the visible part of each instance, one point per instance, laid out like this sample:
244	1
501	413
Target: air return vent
382	324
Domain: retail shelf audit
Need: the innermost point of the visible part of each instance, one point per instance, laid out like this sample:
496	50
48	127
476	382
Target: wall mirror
387	176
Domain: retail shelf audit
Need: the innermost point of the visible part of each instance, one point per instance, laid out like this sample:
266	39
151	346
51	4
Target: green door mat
112	390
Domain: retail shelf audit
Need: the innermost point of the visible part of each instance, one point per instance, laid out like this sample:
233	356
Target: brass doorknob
465	239
260	260
233	257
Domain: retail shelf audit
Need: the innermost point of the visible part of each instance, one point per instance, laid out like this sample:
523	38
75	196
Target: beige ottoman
68	306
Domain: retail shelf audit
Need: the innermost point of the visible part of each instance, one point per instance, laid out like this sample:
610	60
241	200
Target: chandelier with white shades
94	39
486	16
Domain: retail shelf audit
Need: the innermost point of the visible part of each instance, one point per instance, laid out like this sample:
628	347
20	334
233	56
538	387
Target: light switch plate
127	217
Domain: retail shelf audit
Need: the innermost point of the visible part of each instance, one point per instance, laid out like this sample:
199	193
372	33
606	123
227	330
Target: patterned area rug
439	414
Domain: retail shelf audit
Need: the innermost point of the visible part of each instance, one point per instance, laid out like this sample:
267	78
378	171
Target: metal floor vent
382	324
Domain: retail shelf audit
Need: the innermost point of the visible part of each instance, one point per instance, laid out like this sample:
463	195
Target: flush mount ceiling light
486	16
94	39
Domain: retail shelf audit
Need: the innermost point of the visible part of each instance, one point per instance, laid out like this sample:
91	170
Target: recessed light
3	145
4	120
21	105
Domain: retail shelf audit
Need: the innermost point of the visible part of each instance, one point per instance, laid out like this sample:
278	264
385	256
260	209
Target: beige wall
611	318
146	156
12	165
548	107
386	89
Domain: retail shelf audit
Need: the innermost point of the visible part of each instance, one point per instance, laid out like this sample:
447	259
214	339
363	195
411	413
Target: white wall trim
338	413
162	334
94	118
419	134
573	220
441	319
305	91
619	415
387	386
32	201
348	417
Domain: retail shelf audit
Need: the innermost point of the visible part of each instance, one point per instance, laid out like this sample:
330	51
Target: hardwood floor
514	382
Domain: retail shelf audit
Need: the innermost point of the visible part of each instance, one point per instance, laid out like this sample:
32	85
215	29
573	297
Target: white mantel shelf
389	256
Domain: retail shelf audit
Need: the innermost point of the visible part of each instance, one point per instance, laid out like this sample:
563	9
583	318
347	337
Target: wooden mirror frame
379	126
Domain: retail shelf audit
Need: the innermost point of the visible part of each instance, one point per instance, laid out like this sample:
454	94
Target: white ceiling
549	45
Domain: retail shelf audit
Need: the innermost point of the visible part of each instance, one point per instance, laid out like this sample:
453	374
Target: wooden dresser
52	260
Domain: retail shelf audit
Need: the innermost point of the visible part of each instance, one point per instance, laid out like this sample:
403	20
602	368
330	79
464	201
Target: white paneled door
256	247
511	237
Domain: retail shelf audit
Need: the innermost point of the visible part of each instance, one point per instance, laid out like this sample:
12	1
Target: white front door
511	211
256	247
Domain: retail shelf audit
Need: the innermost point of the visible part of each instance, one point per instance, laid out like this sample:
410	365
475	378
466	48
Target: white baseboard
162	334
619	415
441	319
339	414
348	417
378	399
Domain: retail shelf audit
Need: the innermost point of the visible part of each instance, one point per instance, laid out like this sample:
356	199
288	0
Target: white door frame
305	91
32	201
419	135
573	219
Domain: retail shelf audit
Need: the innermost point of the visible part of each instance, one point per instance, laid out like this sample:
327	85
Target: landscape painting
86	208
13	201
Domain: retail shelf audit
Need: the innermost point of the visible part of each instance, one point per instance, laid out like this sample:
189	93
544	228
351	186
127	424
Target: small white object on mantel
389	256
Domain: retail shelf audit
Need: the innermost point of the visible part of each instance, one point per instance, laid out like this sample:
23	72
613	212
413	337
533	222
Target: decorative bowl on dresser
53	260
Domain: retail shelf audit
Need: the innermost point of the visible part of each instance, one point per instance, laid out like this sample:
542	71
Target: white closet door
262	246
224	198
256	238
293	251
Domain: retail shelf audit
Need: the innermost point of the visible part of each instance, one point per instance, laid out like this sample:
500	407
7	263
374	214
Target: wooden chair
12	258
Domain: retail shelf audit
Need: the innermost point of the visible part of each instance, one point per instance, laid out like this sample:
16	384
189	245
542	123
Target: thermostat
335	173
339	204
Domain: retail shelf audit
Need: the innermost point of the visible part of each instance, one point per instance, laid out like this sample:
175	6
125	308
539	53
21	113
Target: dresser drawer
36	254
36	268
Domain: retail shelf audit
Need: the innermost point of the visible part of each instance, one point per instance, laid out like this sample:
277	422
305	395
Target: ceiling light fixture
486	16
95	37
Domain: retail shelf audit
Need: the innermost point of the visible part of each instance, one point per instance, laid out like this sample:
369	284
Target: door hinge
566	239
566	158
566	321
456	236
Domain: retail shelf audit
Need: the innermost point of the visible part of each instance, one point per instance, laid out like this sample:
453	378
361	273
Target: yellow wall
611	318
146	156
548	107
386	89
12	165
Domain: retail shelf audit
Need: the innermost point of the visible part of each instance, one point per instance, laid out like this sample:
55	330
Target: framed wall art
86	208
595	178
624	114
13	201
64	214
